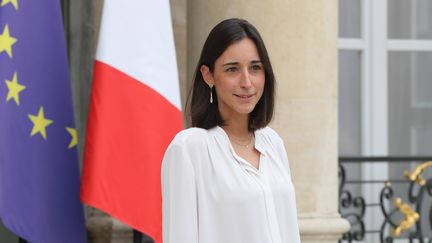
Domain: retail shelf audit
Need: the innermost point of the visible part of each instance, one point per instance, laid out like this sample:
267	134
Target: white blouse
211	195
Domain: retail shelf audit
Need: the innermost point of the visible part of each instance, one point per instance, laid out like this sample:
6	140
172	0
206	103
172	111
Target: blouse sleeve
293	231
279	145
284	155
179	197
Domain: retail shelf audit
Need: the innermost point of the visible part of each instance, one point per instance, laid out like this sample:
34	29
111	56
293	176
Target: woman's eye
256	67
231	69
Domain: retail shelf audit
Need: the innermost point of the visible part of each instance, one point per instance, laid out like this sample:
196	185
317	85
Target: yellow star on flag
74	140
13	2
40	123
6	41
14	89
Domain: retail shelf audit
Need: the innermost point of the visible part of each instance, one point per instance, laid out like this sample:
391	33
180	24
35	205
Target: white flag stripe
146	53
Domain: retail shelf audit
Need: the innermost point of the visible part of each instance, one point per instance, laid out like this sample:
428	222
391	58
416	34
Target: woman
227	179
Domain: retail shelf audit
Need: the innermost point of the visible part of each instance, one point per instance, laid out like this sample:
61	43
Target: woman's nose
245	81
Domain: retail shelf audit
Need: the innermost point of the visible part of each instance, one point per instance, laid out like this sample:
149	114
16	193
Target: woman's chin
245	110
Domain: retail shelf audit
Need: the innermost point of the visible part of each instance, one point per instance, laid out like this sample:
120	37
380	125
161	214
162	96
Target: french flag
134	113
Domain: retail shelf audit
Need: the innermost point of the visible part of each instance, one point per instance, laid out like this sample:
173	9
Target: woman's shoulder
187	144
193	137
270	135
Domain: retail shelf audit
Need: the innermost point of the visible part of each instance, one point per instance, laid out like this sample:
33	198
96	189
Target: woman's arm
179	196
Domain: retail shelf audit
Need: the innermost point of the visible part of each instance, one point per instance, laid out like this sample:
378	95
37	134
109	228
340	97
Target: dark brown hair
205	114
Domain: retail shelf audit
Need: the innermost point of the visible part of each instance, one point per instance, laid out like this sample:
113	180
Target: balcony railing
406	211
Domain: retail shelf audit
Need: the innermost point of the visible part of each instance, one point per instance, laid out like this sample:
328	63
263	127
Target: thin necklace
247	145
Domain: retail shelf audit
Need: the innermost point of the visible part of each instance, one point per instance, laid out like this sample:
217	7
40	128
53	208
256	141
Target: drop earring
211	93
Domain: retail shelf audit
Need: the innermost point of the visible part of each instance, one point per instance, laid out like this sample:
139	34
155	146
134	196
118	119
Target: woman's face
238	78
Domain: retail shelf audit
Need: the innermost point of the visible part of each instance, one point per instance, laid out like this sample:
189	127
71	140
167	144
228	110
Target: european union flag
39	171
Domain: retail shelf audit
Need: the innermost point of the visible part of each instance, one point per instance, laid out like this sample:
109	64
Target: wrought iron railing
405	215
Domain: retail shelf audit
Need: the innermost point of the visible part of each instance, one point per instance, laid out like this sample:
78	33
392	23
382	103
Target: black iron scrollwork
409	218
352	209
411	223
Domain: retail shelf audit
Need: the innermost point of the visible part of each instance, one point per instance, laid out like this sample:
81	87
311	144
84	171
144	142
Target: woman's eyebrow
230	63
237	63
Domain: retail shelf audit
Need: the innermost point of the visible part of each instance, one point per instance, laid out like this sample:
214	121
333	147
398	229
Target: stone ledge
322	228
105	229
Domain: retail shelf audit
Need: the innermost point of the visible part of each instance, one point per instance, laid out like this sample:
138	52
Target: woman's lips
244	97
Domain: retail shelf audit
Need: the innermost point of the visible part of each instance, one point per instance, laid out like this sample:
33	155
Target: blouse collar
259	143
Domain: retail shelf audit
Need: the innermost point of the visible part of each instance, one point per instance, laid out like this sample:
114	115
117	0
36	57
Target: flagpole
137	236
21	240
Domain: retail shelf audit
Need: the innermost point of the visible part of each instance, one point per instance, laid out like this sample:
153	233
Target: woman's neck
237	127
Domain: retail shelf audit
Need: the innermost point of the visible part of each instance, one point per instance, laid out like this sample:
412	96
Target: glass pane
350	18
350	103
410	103
410	116
422	93
422	138
410	19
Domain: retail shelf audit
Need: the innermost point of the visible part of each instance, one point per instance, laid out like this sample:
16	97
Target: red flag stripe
130	126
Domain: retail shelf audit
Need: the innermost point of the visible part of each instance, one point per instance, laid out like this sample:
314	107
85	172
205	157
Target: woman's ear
207	75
